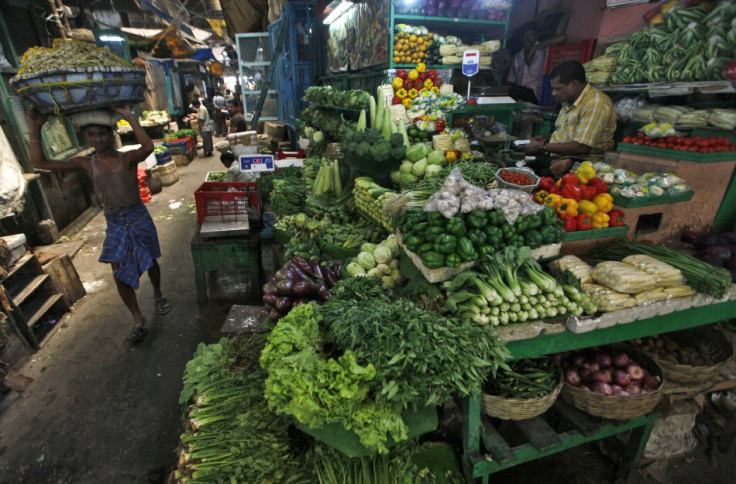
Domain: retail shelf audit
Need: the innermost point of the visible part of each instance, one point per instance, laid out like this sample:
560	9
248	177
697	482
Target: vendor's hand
35	118
124	111
540	138
560	167
533	147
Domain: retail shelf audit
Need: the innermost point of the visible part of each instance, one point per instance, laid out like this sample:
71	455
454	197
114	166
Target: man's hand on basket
124	111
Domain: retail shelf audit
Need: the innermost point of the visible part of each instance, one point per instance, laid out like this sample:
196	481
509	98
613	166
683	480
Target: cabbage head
433	170
406	167
415	152
408	179
396	178
419	167
366	260
355	270
392	245
375	272
368	247
437	157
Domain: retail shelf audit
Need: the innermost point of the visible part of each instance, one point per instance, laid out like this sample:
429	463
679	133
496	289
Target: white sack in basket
12	183
103	117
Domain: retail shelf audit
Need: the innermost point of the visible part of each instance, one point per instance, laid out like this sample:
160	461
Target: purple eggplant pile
716	249
298	282
607	372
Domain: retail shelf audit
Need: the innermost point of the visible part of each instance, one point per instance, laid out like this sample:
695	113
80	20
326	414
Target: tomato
693	148
640	134
627	139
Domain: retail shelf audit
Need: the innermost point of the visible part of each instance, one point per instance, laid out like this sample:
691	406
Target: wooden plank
29	288
582	421
495	444
538	433
66	279
19	264
50	301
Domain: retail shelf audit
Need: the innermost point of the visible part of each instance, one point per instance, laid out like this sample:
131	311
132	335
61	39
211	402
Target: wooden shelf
45	305
19	264
29	288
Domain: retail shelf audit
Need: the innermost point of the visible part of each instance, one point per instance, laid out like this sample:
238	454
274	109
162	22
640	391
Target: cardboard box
275	131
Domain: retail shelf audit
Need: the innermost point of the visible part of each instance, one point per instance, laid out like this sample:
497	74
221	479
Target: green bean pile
529	378
68	54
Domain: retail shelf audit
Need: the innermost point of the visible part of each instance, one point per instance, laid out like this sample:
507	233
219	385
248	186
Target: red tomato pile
697	144
517	178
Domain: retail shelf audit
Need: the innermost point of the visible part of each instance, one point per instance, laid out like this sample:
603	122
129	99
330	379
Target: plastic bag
663	273
579	268
623	177
607	299
622	277
625	107
658	130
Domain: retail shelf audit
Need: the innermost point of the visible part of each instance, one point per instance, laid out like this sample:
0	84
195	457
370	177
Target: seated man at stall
237	120
584	128
131	244
234	174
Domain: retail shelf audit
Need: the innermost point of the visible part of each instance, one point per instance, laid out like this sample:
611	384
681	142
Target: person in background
228	95
131	243
220	114
584	128
206	125
237	120
234	174
527	67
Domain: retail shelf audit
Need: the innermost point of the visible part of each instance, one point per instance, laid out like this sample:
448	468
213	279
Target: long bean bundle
700	275
66	54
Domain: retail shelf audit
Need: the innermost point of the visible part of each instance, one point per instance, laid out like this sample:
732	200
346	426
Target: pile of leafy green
288	196
420	357
329	96
370	147
331	124
317	388
183	133
231	434
265	183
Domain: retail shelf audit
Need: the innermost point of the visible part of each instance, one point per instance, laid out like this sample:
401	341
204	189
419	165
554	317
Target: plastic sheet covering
12	183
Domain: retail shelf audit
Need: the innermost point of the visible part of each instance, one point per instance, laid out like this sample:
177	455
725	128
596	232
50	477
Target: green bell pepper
433	260
477	219
417	228
456	227
495	217
431	233
534	221
549	217
425	247
533	238
445	244
508	232
494	235
476	236
413	242
521	225
487	250
466	250
453	260
436	219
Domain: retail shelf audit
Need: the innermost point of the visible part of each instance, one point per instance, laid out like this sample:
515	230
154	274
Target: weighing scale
233	219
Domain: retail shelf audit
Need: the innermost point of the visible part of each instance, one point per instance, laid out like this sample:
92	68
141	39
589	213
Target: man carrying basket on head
131	242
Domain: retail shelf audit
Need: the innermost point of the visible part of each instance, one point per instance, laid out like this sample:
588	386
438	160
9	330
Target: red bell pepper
571	191
440	125
408	84
438	82
396	100
583	221
599	184
587	192
568	223
616	218
545	183
555	189
432	74
569	179
729	71
402	73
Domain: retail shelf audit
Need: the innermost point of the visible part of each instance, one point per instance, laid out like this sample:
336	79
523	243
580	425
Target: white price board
471	62
256	163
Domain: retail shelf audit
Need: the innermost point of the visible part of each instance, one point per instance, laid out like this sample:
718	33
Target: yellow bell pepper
451	157
585	172
413	93
402	93
604	202
421	67
540	196
600	220
587	207
407	102
428	83
413	75
397	83
434	90
568	206
553	200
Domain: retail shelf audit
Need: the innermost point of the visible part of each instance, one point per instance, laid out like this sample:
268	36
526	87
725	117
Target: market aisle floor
101	410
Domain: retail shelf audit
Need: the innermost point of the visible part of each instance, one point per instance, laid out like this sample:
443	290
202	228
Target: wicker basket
617	407
519	408
524	188
83	89
710	342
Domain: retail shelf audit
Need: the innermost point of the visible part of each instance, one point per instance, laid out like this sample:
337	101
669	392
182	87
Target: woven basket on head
81	89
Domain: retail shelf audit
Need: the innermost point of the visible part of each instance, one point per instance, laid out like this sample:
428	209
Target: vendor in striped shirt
585	125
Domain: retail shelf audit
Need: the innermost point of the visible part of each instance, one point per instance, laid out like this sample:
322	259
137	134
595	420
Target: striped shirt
590	120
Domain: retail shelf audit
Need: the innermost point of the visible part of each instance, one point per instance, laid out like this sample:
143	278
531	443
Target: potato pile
665	348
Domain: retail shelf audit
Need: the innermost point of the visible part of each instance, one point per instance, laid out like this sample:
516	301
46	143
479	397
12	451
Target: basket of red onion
616	382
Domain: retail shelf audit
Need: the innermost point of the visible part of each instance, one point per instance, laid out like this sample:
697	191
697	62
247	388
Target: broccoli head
372	136
363	149
351	146
358	136
396	140
381	152
398	153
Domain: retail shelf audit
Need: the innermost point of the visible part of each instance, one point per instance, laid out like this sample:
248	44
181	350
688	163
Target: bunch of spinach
318	389
420	357
288	196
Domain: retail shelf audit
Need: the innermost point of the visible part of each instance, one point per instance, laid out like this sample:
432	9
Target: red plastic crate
188	139
226	200
581	52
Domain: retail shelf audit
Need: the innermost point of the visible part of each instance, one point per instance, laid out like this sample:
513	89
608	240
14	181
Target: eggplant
306	288
269	288
275	315
337	267
330	276
322	284
270	298
727	238
325	294
303	264
706	240
302	276
300	301
286	274
316	268
285	288
283	304
720	251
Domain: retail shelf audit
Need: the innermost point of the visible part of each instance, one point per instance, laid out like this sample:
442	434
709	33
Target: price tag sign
256	163
471	62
